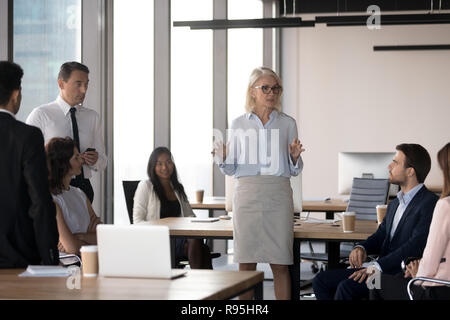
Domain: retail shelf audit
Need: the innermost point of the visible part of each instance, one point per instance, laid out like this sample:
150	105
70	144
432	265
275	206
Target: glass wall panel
47	33
191	97
133	96
245	52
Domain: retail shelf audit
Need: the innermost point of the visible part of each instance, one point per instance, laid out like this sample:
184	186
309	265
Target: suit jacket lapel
390	218
413	203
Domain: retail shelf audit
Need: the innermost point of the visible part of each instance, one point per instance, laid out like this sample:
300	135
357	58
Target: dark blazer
410	237
28	229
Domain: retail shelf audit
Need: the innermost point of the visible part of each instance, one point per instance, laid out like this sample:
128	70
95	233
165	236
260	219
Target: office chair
365	195
129	188
444	282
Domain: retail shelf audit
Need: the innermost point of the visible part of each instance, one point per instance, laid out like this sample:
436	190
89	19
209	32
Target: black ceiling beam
247	23
360	6
413	47
331	21
385	19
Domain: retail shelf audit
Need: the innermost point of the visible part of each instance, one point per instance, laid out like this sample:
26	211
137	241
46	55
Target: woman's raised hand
295	149
220	150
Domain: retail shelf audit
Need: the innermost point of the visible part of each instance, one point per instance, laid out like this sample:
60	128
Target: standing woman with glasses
263	153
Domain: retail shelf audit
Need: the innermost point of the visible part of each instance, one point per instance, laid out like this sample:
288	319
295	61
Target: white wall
346	97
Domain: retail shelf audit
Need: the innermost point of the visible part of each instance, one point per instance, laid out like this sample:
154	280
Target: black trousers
335	285
85	185
394	287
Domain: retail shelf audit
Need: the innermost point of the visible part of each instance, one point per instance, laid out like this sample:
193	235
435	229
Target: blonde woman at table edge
162	196
75	216
262	201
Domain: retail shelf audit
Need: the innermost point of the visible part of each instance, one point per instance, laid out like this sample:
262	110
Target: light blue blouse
257	149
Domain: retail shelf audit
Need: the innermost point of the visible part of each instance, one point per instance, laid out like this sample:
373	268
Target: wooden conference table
329	206
223	229
195	285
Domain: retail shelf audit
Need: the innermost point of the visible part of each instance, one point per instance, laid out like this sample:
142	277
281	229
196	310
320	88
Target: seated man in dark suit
403	232
28	231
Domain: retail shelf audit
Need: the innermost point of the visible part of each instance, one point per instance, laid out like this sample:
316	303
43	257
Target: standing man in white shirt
67	117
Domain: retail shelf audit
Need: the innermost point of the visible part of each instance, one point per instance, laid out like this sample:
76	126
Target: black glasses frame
266	89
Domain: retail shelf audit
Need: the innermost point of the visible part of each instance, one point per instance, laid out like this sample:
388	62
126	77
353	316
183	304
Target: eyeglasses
266	89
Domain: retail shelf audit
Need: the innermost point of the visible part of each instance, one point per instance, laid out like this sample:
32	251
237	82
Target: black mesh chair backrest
129	188
365	195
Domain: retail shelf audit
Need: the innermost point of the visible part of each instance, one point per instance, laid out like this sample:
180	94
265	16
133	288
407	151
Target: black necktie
76	137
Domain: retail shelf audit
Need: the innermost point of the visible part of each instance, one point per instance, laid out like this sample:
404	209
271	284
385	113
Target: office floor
225	262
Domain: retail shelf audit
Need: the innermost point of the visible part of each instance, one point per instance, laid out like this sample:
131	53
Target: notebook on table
135	252
197	219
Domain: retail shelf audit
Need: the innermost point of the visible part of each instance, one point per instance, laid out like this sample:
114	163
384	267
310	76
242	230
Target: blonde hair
254	77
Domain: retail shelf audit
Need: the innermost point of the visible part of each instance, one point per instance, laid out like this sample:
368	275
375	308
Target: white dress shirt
261	149
403	199
54	121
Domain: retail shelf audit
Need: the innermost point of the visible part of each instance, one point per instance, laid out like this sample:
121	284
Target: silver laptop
135	252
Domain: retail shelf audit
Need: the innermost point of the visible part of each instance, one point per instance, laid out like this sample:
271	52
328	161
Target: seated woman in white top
75	217
163	196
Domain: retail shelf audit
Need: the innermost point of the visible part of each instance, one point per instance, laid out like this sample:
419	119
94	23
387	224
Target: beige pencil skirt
263	222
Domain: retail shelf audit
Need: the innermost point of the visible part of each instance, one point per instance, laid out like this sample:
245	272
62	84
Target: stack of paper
45	271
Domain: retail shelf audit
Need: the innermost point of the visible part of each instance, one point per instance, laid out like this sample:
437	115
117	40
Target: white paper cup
89	259
199	195
348	221
381	212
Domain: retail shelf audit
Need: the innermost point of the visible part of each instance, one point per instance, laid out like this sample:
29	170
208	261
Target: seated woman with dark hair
75	217
163	196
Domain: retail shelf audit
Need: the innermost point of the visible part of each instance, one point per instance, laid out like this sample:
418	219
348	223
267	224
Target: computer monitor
361	165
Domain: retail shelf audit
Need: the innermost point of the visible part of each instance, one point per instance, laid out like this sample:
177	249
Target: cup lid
349	213
381	206
89	249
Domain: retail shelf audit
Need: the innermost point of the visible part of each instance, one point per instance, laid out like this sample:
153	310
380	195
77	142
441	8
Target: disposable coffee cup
348	221
199	195
381	213
89	259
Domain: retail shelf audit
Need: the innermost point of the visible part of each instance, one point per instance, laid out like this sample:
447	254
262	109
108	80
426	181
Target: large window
46	34
133	96
191	96
245	52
